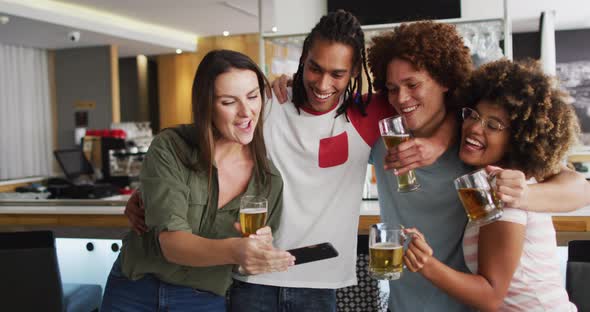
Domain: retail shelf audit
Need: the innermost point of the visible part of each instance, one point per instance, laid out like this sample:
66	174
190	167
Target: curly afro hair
543	125
434	47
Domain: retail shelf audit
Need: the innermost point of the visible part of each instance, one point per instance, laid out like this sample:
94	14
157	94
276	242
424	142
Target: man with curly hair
517	119
421	66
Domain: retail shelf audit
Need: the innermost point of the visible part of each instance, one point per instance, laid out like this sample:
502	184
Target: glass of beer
253	211
386	250
479	199
393	133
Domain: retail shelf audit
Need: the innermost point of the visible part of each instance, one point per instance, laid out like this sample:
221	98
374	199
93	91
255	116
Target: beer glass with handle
253	210
394	133
386	250
479	199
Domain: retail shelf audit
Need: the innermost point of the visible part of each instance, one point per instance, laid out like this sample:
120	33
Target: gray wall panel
82	74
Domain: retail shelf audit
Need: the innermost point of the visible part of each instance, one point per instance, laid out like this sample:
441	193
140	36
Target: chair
31	279
367	295
577	281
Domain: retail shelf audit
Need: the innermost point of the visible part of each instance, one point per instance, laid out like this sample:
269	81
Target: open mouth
408	109
322	96
246	125
473	144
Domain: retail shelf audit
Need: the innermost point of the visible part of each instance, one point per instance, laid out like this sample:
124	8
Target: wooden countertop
109	212
575	221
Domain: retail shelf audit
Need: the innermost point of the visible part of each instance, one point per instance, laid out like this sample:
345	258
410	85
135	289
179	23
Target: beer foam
253	210
396	135
386	246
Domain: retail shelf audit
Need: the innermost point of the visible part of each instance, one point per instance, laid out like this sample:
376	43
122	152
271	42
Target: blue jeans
247	297
151	294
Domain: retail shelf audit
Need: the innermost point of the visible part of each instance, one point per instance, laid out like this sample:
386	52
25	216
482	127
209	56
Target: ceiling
22	31
136	26
153	27
202	17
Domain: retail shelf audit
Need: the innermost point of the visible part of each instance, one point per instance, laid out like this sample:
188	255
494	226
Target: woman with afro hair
516	118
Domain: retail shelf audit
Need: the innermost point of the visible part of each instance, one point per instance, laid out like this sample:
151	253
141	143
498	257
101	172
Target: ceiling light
225	33
178	51
4	20
274	29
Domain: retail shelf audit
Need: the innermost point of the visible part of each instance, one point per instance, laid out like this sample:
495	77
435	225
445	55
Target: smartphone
313	253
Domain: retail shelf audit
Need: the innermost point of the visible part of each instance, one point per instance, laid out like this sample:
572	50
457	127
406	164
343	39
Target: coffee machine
126	163
117	154
96	148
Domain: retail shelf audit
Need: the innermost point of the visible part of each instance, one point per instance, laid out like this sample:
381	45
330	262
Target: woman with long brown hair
192	180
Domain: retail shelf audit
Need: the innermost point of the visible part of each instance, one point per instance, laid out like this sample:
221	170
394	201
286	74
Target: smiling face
326	73
237	105
416	96
481	146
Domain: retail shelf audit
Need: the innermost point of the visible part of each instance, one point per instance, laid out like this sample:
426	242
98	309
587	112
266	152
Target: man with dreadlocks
320	142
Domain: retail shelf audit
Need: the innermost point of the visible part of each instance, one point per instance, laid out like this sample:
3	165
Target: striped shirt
536	284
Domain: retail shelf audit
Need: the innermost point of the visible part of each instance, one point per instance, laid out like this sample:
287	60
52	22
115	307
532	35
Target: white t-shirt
536	284
323	162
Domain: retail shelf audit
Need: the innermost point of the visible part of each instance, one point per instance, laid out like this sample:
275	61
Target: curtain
25	113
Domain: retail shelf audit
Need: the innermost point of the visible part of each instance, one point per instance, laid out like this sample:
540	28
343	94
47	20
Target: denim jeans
247	297
151	294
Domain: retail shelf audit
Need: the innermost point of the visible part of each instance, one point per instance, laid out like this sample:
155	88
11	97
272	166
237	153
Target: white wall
296	17
300	16
480	9
571	14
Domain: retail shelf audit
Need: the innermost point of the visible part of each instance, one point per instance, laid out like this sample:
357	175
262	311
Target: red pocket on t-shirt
333	151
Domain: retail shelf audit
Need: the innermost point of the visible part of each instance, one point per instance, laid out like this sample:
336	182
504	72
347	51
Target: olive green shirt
177	199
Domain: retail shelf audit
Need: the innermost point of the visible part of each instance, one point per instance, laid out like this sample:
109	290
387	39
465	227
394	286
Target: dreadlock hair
338	27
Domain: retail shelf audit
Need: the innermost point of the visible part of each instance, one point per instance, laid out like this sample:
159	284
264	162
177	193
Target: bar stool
578	273
31	279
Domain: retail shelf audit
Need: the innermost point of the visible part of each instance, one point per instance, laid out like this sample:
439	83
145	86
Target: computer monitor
73	163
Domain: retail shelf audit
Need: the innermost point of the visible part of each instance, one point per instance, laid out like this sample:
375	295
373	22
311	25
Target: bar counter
70	218
108	213
75	212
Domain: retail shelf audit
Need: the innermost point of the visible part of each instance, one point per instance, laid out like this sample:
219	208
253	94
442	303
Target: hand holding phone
313	253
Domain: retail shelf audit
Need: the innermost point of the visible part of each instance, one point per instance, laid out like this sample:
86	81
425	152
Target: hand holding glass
479	199
394	133
253	210
386	250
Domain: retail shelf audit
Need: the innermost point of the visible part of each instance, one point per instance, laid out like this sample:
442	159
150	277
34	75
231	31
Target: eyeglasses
471	115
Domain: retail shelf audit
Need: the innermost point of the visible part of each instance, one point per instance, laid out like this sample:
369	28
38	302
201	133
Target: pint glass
386	250
253	211
479	199
393	133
